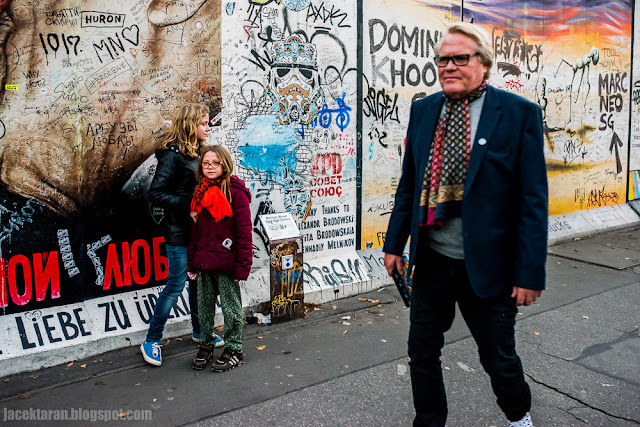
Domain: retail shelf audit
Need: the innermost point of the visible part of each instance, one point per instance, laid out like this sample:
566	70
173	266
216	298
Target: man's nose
450	65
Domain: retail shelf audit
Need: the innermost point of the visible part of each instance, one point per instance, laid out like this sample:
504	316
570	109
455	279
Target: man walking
473	197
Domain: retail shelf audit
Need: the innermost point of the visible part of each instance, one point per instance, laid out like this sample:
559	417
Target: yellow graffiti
279	300
307	211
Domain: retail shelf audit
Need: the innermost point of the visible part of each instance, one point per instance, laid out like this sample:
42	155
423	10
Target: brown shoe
229	359
205	353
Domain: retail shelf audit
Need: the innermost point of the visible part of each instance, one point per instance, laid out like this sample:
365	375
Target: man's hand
523	296
394	263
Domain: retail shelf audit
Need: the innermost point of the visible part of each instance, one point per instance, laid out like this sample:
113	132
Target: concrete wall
312	100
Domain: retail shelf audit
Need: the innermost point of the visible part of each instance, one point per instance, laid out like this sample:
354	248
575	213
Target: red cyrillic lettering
112	268
141	243
337	163
13	288
126	263
160	263
49	274
3	285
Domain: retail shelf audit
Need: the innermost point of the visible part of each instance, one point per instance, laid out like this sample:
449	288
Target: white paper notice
279	226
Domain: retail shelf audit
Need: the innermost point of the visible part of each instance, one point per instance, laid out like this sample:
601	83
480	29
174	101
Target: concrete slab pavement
616	250
579	346
577	375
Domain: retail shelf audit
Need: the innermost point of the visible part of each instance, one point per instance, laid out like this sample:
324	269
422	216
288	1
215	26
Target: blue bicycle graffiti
342	119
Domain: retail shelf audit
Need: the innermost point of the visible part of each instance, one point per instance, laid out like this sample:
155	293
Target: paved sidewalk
580	347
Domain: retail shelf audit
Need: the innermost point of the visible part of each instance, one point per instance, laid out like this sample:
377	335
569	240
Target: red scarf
208	195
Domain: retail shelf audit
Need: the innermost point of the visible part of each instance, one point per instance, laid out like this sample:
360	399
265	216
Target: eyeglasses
206	165
458	60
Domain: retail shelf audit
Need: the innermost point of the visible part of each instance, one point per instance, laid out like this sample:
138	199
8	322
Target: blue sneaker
219	342
151	352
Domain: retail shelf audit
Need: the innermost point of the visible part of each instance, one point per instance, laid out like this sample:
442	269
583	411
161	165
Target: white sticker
287	262
227	243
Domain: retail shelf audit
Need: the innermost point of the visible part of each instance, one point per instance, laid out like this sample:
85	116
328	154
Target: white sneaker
524	422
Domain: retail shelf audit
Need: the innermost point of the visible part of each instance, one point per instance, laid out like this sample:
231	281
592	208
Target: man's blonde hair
477	34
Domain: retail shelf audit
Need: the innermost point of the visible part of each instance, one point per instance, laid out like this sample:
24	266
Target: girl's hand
194	216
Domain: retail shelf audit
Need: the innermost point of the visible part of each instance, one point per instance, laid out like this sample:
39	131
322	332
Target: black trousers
439	282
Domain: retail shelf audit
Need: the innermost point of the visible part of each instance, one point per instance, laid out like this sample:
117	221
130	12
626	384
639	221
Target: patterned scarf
208	195
444	176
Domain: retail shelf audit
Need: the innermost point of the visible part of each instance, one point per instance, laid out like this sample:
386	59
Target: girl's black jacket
171	189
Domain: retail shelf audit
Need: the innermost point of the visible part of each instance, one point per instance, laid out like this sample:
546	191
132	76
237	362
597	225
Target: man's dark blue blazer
505	201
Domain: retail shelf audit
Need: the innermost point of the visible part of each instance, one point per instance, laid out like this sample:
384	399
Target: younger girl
221	251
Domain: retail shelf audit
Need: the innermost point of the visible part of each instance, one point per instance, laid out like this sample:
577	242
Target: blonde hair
184	128
478	35
225	162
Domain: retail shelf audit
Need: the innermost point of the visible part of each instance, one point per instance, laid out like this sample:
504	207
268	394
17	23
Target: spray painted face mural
87	89
294	85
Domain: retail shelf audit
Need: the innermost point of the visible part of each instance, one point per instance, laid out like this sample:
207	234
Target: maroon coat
225	245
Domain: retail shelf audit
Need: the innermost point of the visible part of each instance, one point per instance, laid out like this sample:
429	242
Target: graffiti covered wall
576	64
572	58
87	89
290	96
398	43
311	98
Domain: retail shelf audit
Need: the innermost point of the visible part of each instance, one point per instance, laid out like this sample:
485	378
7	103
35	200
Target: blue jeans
178	266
